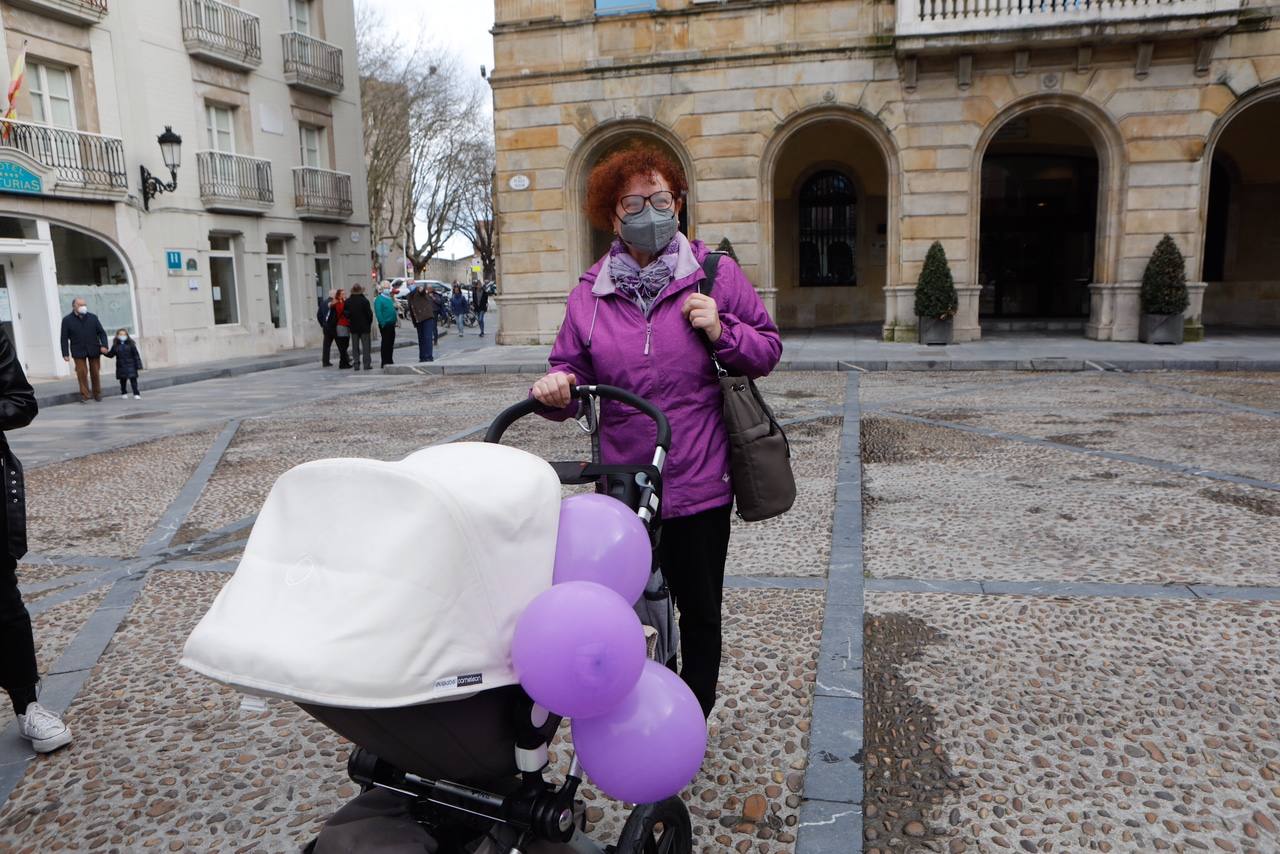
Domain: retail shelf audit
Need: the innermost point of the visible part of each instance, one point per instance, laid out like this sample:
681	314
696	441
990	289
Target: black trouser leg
388	333
18	674
328	349
692	555
124	386
133	381
344	341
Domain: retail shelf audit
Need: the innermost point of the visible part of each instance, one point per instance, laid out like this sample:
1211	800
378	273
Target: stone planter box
1160	329
935	331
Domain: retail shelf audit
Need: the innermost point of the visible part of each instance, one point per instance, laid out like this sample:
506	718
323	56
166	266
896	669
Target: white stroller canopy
373	585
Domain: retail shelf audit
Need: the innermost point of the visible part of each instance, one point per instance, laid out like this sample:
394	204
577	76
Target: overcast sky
461	26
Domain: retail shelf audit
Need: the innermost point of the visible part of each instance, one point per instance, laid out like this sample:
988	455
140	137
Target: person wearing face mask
637	320
83	339
128	362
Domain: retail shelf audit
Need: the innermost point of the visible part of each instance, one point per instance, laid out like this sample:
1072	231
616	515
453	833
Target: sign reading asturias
15	178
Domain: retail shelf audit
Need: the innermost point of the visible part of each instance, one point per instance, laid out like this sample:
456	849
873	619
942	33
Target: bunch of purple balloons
579	651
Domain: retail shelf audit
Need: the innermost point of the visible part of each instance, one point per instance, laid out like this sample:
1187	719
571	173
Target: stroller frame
537	810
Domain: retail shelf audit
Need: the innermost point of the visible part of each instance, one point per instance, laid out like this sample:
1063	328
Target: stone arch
1108	145
786	132
1244	297
588	152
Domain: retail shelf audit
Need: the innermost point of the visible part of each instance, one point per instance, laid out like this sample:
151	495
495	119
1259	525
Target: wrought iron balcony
75	11
233	183
62	162
929	25
222	34
312	64
321	194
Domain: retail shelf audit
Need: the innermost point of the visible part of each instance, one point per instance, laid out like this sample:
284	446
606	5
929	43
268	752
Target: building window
220	124
300	13
311	146
277	282
222	278
324	269
828	231
618	7
51	100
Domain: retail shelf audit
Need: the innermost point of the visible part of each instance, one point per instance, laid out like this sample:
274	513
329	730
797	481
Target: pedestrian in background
328	324
458	305
19	673
128	361
384	310
422	312
442	313
82	338
360	321
342	328
480	302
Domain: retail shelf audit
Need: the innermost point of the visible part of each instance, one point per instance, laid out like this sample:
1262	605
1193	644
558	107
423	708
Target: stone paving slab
941	504
108	503
1245	388
1088	724
1117	413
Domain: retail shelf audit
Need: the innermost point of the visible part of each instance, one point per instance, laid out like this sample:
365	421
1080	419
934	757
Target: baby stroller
468	776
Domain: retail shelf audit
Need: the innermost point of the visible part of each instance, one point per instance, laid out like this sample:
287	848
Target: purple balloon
649	746
601	540
578	649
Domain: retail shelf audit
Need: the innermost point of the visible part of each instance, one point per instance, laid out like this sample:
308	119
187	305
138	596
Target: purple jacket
606	339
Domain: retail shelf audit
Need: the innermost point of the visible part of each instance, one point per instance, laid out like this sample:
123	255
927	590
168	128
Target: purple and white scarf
642	286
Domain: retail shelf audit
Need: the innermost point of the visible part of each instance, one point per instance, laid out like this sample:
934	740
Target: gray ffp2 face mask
650	230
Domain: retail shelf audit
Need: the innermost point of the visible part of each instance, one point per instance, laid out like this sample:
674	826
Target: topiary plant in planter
1164	295
936	300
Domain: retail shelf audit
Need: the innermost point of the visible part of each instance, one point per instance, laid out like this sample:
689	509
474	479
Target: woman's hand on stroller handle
555	389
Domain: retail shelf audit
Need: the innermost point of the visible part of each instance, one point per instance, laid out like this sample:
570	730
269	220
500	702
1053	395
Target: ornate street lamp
171	151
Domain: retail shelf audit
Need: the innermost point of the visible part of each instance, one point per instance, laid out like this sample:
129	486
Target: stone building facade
269	206
1048	146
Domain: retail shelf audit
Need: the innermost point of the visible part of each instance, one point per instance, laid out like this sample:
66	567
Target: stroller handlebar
512	414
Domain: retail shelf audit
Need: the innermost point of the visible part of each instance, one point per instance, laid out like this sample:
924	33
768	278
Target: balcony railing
82	163
222	33
234	183
312	64
921	18
75	11
321	193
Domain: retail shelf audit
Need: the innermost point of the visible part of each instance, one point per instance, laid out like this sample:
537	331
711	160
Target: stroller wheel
661	828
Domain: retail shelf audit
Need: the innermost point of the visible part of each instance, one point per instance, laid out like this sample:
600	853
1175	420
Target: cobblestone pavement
1080	719
993	722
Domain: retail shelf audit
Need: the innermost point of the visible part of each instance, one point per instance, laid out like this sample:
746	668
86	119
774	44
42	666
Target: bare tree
420	123
475	219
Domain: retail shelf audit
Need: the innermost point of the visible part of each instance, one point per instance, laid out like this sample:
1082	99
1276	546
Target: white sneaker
43	728
124	396
137	397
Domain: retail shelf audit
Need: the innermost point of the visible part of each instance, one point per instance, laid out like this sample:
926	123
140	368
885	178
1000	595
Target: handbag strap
710	265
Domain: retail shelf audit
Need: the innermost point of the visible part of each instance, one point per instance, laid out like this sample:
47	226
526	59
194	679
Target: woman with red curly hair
637	320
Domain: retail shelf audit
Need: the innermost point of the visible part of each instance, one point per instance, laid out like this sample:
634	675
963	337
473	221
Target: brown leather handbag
759	453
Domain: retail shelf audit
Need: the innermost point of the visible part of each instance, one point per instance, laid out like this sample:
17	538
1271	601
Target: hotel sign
16	178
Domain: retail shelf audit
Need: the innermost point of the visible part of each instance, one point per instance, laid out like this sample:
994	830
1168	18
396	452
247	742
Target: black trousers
344	342
328	349
388	333
18	673
692	554
133	380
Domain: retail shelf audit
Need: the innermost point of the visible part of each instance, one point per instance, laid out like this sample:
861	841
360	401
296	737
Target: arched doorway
1241	251
587	244
1037	245
33	302
829	199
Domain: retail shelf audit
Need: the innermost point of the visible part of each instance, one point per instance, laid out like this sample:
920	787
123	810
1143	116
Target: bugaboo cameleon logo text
462	681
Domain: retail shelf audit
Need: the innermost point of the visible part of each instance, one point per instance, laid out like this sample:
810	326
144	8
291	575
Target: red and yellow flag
15	84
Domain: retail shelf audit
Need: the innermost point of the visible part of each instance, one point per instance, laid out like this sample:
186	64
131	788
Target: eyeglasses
659	201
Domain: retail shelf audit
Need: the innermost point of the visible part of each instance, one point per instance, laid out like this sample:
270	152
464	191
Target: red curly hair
612	174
